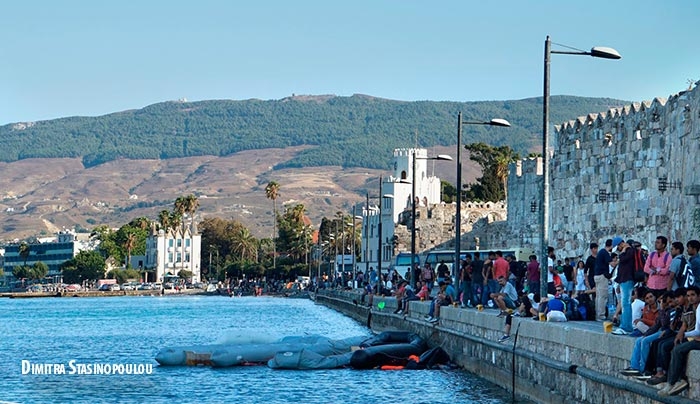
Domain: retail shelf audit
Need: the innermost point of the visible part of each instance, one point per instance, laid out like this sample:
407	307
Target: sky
87	58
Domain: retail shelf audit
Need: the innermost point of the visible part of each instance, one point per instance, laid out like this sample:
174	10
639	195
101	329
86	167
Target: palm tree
244	244
191	204
129	245
24	251
179	208
272	192
164	219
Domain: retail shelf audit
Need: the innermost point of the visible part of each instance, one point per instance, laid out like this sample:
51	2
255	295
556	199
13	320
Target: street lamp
596	52
379	240
354	247
443	157
458	213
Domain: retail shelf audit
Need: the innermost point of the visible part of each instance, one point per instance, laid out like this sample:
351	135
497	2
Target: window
179	257
170	257
170	243
179	242
187	243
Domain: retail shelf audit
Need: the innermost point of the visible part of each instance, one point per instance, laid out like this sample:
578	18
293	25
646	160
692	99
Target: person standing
602	275
693	247
465	282
625	278
478	284
658	266
533	275
551	271
677	266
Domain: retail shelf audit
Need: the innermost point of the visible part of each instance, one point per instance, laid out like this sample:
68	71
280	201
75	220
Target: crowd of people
648	295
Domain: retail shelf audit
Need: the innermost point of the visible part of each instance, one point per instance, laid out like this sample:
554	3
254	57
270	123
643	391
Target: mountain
356	131
325	151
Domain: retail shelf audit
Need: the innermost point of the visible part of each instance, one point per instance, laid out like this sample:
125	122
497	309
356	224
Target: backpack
639	274
685	276
666	255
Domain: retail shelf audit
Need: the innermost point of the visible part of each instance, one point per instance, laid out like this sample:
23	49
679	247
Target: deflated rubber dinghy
391	348
252	353
387	348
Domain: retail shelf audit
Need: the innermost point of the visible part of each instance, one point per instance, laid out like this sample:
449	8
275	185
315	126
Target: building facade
396	191
53	252
170	251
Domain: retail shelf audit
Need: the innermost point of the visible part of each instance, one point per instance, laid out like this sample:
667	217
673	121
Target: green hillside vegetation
356	131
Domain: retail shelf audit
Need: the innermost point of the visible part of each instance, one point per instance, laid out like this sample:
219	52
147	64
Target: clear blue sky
70	57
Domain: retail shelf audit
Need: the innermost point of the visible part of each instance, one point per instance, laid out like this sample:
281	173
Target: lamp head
604	52
445	157
499	122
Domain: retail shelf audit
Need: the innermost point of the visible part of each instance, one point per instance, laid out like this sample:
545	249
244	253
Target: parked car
73	288
104	288
127	286
145	286
114	288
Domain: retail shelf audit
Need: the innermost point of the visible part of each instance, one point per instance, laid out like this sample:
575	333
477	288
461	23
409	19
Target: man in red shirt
501	267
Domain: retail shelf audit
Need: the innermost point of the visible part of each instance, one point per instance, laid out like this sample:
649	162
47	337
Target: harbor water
130	330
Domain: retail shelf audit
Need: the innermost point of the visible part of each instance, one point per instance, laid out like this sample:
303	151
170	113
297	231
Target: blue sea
132	329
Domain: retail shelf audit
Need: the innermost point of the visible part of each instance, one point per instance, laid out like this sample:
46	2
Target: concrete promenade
553	362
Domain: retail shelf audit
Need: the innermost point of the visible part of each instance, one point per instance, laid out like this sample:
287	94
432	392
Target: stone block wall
555	362
435	225
631	171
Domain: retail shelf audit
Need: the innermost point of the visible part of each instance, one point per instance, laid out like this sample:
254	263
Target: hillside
325	151
356	131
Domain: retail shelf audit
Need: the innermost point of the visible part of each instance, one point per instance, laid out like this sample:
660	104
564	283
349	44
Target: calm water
133	329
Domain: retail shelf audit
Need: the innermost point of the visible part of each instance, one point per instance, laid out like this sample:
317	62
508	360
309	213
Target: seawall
553	362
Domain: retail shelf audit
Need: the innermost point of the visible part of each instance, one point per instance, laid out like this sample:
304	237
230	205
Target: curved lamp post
596	52
458	214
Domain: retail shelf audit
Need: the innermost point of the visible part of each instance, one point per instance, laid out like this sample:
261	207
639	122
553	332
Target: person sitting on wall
525	309
400	293
642	346
554	307
367	290
505	299
679	355
442	299
650	312
409	296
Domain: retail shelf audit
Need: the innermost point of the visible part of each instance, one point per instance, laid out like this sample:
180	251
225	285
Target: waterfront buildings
170	251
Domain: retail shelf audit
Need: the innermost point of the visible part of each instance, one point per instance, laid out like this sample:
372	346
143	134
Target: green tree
244	244
294	235
449	192
124	275
164	219
185	274
24	251
21	272
494	161
129	245
39	270
85	266
108	245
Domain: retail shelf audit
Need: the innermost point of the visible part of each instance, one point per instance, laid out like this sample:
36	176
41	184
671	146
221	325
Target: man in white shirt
551	270
679	355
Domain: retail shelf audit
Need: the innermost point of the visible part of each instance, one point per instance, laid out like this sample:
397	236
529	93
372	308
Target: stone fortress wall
630	171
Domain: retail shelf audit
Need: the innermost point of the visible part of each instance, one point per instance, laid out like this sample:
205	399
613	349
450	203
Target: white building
397	189
170	251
